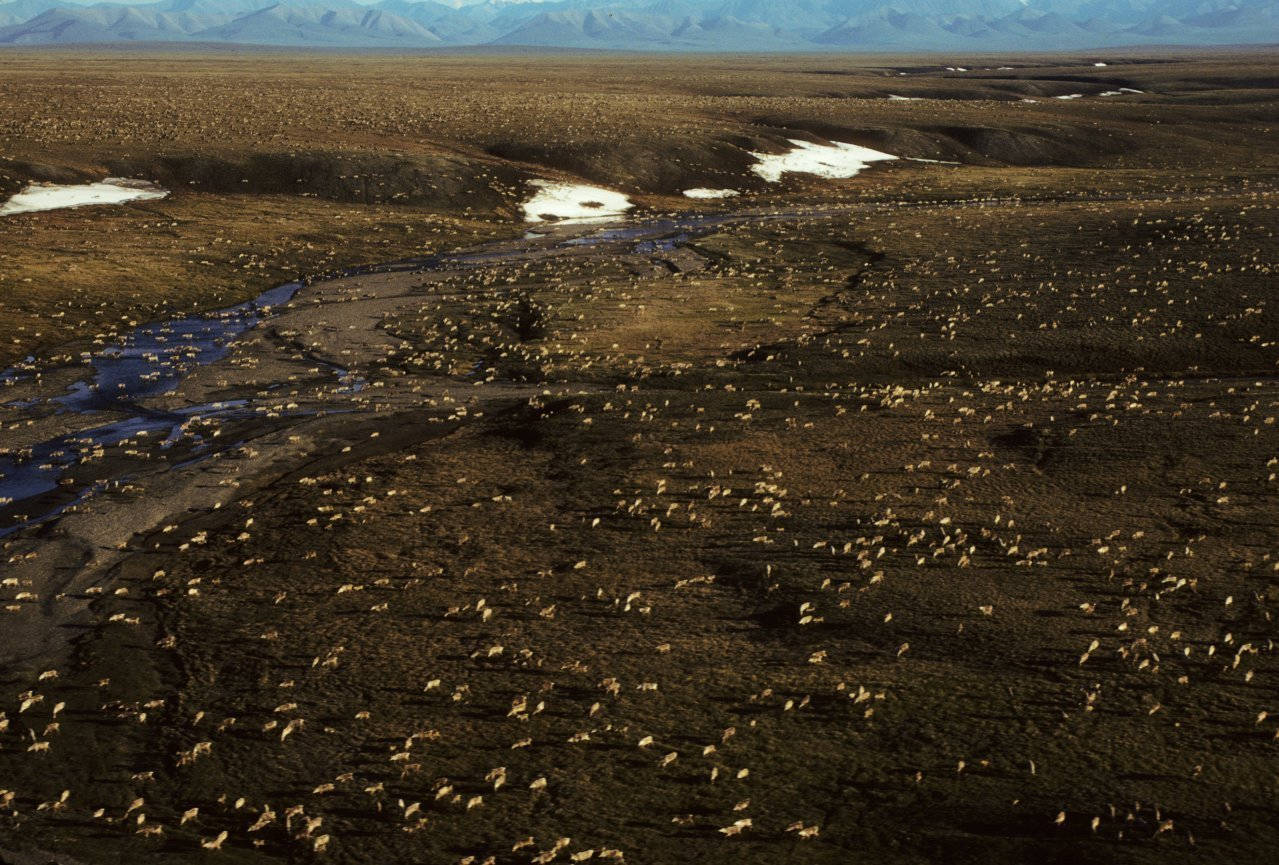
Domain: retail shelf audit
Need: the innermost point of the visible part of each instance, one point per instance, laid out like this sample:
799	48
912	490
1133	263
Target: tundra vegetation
927	515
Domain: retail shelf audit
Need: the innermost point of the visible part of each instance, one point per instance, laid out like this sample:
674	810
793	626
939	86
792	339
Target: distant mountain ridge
664	25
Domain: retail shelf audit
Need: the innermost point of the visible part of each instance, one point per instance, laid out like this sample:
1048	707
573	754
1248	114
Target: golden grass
285	164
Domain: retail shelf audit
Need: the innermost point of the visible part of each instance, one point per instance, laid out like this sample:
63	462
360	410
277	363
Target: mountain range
665	25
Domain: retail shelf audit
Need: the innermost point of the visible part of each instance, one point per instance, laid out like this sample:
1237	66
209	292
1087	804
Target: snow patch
113	190
702	192
556	200
835	160
894	98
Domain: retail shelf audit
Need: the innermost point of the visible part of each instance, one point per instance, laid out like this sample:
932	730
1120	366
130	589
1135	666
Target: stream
41	479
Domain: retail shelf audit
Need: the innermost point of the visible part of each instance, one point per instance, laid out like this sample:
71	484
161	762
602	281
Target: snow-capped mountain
700	25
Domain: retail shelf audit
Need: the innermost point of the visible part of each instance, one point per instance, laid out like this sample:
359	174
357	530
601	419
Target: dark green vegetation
924	517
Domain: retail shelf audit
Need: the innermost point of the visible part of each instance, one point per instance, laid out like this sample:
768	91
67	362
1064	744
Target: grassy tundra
924	516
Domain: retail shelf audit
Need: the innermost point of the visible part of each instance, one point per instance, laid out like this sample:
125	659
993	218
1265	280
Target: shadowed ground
880	521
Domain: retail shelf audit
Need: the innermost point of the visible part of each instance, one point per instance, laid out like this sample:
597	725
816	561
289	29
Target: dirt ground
924	517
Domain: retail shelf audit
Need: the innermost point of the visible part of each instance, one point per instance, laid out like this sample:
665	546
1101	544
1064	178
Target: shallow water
146	362
153	359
